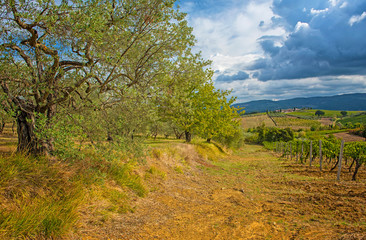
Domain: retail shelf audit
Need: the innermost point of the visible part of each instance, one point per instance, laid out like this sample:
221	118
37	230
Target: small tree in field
344	113
319	113
215	116
181	91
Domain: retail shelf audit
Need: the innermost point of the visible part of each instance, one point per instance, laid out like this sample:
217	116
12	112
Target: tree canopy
319	113
122	62
54	53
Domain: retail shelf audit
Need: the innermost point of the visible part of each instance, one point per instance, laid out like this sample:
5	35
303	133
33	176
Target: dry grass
249	195
38	199
8	141
195	191
51	198
255	121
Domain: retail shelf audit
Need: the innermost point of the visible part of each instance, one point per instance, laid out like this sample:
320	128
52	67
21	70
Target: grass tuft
38	200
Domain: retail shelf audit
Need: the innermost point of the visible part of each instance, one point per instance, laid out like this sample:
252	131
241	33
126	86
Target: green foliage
235	140
272	134
360	119
310	113
344	113
214	114
356	151
269	145
331	147
122	52
297	122
180	93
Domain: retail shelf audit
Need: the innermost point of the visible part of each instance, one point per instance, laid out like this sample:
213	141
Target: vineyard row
331	151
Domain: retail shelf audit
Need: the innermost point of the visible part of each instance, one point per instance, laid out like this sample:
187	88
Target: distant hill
350	102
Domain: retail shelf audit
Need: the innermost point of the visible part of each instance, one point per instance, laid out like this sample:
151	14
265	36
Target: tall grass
38	199
42	198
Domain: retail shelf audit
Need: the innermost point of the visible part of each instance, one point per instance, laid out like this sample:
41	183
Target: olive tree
179	99
54	52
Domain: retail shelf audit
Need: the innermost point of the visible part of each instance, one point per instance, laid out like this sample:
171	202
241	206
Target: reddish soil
347	137
326	121
252	195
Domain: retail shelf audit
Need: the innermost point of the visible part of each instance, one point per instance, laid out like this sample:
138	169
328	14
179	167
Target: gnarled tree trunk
28	141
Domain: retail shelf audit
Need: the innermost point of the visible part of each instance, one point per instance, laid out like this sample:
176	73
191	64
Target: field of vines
354	120
296	122
328	154
327	113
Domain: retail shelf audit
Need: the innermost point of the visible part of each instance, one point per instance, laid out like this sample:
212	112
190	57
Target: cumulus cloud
254	89
319	42
278	49
228	35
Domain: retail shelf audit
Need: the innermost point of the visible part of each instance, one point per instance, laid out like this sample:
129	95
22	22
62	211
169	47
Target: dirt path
252	195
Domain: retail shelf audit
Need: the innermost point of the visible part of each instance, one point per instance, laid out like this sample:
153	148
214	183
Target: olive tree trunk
188	136
28	141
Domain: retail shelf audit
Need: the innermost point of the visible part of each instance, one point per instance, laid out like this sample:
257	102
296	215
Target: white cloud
345	4
357	18
230	64
316	12
229	37
291	48
253	89
333	2
300	26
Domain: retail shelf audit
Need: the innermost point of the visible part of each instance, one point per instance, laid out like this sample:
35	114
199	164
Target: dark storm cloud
326	38
230	78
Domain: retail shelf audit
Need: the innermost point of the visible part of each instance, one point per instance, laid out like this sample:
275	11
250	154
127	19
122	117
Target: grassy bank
47	198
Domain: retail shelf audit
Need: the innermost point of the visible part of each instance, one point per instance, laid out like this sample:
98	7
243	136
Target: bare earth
347	137
252	195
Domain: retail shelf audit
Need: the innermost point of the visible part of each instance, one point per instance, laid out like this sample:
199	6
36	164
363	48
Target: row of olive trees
111	67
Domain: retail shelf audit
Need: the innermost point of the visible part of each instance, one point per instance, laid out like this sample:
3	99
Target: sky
282	49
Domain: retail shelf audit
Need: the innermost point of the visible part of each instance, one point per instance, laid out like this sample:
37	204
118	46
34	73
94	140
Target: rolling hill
349	102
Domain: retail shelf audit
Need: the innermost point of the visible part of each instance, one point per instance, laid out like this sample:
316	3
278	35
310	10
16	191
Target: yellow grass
255	121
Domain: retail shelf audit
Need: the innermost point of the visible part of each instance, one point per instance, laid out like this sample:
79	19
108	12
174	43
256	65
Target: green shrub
235	141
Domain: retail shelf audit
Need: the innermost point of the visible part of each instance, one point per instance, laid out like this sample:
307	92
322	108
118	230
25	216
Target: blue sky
280	49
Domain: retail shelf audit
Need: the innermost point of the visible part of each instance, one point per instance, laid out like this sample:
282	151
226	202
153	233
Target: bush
272	134
235	141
